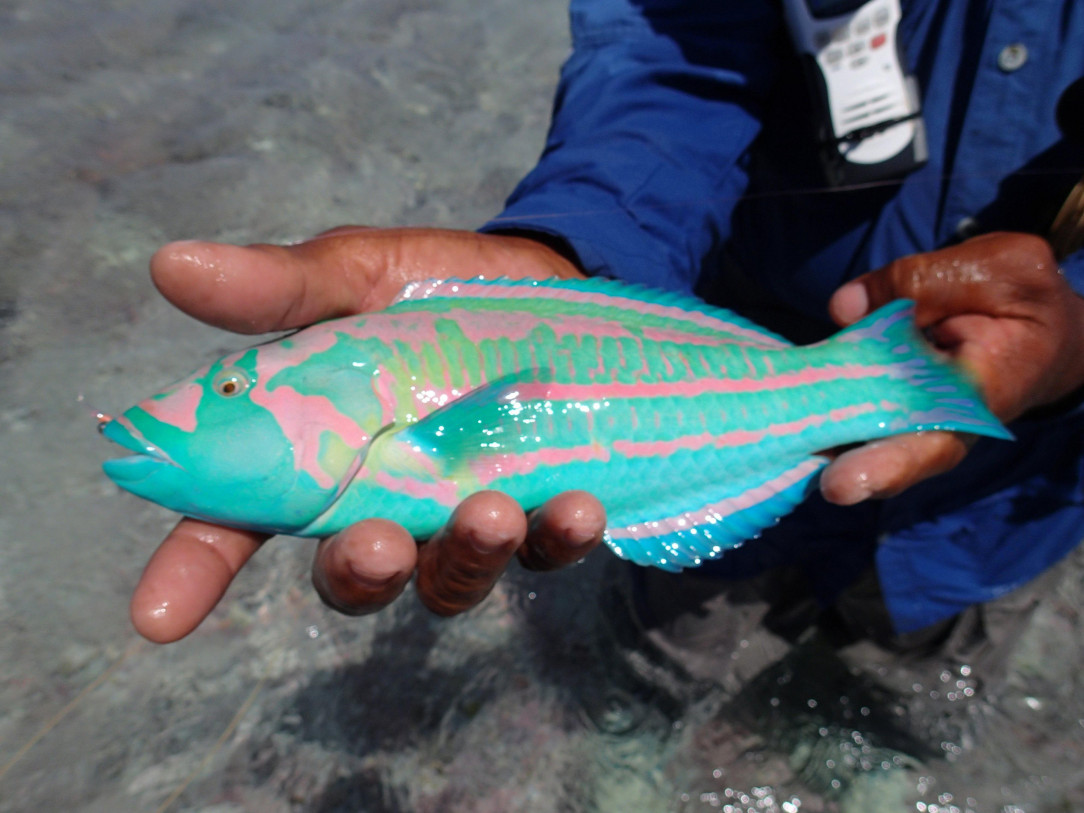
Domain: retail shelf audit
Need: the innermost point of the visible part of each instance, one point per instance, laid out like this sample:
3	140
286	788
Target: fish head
254	440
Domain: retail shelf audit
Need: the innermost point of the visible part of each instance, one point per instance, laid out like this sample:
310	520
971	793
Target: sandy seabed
127	124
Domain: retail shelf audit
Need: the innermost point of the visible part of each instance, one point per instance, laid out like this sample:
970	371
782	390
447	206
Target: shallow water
126	124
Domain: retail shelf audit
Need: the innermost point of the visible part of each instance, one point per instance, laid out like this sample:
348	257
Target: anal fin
718	517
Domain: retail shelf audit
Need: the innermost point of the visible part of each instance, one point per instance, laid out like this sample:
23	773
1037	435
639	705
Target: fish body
695	427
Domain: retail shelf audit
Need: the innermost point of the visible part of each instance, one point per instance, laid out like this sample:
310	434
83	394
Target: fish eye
231	382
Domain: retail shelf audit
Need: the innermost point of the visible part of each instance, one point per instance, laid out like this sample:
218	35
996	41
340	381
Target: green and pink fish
695	427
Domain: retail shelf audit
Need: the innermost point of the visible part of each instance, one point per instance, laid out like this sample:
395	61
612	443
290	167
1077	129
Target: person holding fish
675	161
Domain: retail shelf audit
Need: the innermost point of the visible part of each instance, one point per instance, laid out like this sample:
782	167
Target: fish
695	427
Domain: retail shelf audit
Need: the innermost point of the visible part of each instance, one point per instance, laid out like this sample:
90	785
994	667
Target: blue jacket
679	153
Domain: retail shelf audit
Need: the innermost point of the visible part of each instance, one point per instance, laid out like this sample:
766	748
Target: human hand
1000	307
363	568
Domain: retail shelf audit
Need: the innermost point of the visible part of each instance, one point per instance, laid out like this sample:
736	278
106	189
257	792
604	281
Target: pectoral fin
487	420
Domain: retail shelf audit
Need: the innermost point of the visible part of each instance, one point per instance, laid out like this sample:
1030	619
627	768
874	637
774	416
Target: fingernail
490	546
364	569
846	490
860	491
369	579
578	536
577	532
851	302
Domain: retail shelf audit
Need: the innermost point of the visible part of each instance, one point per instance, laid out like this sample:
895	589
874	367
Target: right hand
363	568
996	304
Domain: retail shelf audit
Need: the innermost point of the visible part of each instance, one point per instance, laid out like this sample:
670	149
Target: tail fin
940	395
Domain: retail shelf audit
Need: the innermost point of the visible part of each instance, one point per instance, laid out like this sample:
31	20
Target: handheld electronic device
869	116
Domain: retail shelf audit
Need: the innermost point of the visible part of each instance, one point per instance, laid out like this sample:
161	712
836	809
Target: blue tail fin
938	394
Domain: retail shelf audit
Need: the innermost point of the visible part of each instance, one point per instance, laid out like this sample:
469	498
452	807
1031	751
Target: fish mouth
147	459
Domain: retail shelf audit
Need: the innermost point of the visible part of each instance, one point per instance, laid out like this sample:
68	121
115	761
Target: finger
990	274
187	576
563	531
461	564
364	568
887	467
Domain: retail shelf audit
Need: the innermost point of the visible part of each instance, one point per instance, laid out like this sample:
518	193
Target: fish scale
695	427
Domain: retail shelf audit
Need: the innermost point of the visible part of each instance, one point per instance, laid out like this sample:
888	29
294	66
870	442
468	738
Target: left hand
1001	308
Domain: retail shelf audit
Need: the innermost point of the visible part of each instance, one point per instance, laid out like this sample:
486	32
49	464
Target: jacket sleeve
654	113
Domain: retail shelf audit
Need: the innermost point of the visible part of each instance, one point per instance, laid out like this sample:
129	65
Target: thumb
984	275
252	289
352	269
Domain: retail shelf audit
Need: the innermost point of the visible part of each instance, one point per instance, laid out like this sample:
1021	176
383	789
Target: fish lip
132	469
124	434
148	458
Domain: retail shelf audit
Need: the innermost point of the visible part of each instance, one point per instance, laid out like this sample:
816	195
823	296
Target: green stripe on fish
695	427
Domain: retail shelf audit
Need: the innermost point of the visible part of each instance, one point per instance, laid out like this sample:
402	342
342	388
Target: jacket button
967	228
1012	57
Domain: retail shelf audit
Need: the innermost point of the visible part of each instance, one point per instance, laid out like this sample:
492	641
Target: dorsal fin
679	307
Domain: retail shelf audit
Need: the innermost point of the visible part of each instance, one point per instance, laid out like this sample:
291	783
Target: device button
878	41
1012	57
881	17
834	56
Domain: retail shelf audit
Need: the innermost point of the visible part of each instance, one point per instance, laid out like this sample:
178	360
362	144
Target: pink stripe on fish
297	414
279	356
178	408
715	512
443	492
701	386
489	468
386	397
736	437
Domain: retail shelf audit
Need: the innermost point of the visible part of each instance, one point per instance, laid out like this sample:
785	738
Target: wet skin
996	302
